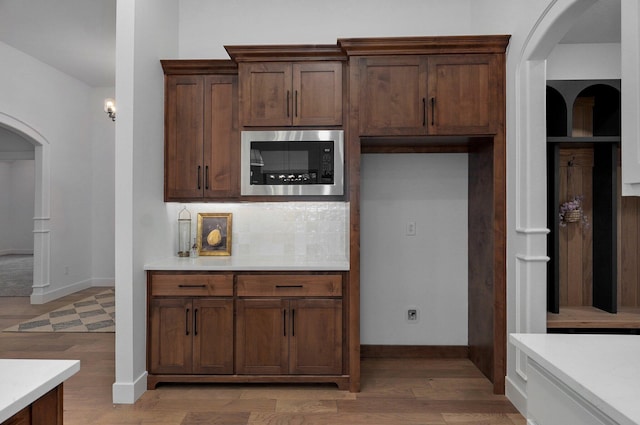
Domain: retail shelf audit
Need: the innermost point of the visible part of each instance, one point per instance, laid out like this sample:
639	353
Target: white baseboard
45	294
16	252
103	281
129	392
516	396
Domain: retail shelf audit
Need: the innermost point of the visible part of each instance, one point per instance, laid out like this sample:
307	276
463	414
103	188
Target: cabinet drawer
193	285
289	285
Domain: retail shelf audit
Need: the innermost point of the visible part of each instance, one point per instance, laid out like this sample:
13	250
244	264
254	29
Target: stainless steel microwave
292	162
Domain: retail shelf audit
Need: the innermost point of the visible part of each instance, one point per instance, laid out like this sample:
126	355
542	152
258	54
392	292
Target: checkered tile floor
93	314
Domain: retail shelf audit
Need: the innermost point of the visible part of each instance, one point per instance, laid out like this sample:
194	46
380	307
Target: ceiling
78	37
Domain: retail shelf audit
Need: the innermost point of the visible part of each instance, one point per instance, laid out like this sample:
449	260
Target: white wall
206	26
16	206
427	271
584	62
56	107
103	189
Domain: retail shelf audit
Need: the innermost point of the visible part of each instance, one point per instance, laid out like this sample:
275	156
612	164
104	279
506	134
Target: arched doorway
526	191
41	215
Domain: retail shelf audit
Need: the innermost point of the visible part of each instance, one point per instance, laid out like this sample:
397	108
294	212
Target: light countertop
239	263
24	381
603	369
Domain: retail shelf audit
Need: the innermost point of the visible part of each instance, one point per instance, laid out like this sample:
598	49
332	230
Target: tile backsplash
293	229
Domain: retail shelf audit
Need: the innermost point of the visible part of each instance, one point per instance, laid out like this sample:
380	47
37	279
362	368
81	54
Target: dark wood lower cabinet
191	336
261	328
289	336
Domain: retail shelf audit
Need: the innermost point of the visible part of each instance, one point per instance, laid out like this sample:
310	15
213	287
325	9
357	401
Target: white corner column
630	92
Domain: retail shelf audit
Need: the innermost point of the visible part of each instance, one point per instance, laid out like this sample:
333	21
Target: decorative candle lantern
184	232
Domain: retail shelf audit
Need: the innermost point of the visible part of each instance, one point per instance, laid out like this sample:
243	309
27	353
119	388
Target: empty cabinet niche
594	266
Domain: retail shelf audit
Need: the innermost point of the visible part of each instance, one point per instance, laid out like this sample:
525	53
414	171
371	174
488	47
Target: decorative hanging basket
573	216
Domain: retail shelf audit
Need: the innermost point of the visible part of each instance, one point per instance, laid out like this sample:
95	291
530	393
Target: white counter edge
247	264
59	371
519	340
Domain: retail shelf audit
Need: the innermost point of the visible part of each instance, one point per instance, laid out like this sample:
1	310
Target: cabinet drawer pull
206	177
433	111
289	286
199	177
186	322
424	111
296	104
195	322
184	285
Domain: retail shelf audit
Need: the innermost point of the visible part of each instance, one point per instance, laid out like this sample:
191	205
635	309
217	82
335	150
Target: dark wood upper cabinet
393	93
416	95
201	130
291	94
290	85
463	94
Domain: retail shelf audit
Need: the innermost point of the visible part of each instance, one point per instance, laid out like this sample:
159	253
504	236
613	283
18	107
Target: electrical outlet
411	228
412	315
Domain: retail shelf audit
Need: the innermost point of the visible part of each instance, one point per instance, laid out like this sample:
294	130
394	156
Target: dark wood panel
213	336
262	334
463	93
289	285
184	102
170	335
424	45
48	409
221	136
481	251
315	346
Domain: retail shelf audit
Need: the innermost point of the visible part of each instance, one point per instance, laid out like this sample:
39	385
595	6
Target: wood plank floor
591	317
394	391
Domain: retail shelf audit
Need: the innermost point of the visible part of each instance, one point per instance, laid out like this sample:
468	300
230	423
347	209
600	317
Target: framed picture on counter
214	233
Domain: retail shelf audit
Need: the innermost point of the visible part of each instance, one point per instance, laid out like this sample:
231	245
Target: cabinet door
316	336
221	137
213	336
262	334
317	93
265	93
183	172
463	94
393	96
170	336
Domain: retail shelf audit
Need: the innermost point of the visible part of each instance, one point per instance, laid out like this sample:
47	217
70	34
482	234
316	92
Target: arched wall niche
41	214
594	104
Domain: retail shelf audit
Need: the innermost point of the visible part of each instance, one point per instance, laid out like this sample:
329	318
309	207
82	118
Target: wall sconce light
110	108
